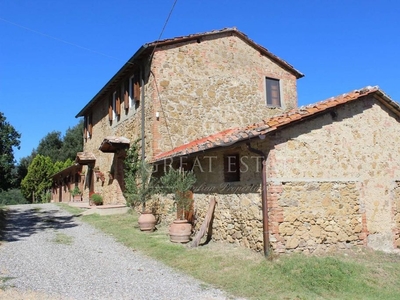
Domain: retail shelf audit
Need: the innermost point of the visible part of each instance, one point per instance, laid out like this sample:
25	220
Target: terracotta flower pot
147	222
179	231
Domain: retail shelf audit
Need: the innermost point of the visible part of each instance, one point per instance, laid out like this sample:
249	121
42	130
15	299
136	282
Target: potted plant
96	199
76	194
180	183
140	185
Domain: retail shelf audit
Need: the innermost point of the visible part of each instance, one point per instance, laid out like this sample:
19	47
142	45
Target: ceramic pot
179	231
147	222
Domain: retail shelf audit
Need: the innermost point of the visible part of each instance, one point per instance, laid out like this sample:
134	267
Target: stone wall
396	214
357	143
314	216
207	87
128	124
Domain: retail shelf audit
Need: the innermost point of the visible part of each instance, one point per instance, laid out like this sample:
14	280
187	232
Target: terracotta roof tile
233	135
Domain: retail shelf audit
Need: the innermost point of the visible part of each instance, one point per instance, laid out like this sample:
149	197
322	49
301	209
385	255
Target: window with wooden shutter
85	131
87	127
136	88
273	92
231	168
110	107
90	126
126	94
118	102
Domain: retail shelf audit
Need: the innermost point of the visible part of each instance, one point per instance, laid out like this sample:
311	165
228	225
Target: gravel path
49	254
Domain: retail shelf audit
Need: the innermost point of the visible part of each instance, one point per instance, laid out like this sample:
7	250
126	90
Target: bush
11	197
97	199
75	192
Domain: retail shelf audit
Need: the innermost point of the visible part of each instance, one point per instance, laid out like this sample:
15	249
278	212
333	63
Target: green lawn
360	274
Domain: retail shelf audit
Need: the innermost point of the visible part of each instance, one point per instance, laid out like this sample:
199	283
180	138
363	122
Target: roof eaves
116	76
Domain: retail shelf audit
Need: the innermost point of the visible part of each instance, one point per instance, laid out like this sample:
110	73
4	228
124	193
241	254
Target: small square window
231	168
273	92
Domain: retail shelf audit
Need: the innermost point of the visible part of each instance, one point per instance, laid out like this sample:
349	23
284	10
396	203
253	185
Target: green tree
61	165
72	142
51	146
37	182
9	138
22	167
12	196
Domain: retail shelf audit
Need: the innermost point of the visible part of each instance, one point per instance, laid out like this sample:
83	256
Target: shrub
97	199
75	192
179	182
13	196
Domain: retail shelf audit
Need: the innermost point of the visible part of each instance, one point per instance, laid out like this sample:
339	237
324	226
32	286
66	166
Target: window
231	168
134	91
131	85
273	92
87	134
114	105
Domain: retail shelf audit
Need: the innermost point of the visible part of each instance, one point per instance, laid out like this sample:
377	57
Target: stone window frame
270	99
231	175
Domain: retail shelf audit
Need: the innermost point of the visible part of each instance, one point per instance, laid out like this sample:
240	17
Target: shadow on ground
21	223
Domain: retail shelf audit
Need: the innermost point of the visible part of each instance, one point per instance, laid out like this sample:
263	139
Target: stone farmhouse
171	92
313	178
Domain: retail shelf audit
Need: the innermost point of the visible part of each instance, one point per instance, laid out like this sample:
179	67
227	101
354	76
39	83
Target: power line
162	30
58	39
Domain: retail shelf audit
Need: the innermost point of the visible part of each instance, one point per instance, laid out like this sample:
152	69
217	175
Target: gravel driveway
49	254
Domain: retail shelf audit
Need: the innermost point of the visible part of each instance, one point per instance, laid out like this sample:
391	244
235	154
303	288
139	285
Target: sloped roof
112	144
231	136
147	48
69	171
85	158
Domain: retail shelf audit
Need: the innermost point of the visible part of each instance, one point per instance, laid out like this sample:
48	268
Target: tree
61	165
72	142
9	138
22	167
37	182
51	146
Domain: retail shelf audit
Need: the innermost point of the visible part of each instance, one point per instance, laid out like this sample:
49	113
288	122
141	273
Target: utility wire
162	31
58	39
155	79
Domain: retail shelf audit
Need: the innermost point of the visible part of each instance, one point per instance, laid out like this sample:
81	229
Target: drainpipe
263	198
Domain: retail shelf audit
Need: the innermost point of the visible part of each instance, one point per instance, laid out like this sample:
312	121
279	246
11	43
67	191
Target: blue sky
44	81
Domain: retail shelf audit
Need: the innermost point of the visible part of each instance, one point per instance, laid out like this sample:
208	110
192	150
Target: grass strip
241	272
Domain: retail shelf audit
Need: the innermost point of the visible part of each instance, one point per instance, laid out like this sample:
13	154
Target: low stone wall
313	216
396	214
237	217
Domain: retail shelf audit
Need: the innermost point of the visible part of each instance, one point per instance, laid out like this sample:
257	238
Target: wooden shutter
118	103
90	125
85	127
136	87
126	94
110	108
